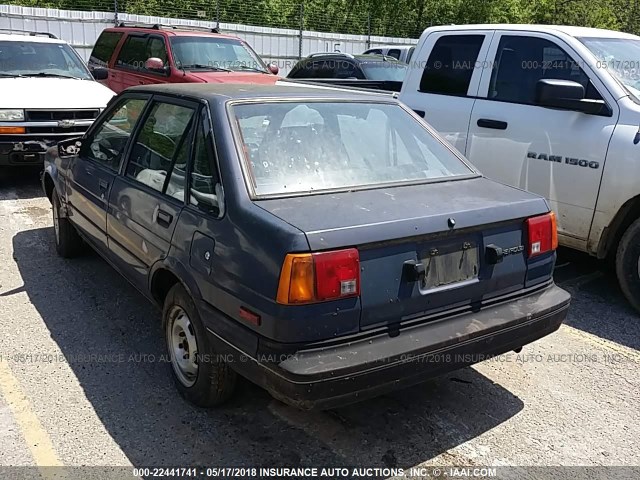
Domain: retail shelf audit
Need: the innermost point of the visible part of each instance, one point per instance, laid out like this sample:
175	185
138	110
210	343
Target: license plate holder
450	264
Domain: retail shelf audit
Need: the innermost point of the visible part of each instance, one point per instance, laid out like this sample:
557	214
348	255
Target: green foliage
398	18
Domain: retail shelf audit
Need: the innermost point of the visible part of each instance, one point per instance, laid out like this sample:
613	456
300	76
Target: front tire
628	264
200	375
68	242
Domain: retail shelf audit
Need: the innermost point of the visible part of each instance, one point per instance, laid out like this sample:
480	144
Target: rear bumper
345	373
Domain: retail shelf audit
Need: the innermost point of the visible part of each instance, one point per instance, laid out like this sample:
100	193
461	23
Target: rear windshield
295	147
393	71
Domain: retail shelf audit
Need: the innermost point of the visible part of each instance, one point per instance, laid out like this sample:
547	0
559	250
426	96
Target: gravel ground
571	398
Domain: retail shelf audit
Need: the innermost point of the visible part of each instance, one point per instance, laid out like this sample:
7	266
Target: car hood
383	214
235	77
52	93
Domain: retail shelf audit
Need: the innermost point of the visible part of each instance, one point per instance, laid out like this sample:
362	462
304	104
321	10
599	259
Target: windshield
42	59
384	71
620	56
294	147
193	53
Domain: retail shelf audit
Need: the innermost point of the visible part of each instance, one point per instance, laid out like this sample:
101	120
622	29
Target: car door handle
495	124
164	219
422	113
103	184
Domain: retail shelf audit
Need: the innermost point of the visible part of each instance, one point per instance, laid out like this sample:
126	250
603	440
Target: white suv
47	94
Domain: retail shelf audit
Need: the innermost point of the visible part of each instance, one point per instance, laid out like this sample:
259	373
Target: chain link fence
355	17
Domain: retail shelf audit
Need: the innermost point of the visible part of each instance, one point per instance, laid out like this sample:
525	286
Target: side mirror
69	148
273	68
154	64
567	95
100	73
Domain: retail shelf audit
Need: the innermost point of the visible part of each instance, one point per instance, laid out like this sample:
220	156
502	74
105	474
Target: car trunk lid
422	247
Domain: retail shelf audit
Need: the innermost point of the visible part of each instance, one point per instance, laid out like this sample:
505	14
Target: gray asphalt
571	398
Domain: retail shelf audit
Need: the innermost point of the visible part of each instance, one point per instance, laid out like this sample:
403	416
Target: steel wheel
183	346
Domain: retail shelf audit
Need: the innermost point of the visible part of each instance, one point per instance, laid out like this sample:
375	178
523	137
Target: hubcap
56	222
183	346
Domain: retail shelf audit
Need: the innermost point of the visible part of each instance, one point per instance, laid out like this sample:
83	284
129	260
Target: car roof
172	32
551	29
282	89
20	37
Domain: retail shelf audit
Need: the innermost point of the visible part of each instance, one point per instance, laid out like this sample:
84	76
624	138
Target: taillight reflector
542	234
317	277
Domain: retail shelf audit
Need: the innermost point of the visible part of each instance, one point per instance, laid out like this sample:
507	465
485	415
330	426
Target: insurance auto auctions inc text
377	472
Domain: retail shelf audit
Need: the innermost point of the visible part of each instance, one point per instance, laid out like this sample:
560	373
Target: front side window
107	143
451	64
522	61
159	155
215	53
40	59
294	147
137	49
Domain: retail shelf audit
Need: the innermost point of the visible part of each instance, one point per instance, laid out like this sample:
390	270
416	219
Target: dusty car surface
328	246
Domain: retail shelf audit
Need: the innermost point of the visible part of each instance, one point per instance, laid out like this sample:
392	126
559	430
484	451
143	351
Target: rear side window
451	64
204	182
104	47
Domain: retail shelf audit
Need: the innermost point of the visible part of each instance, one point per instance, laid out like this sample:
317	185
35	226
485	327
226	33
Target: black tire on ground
214	381
628	264
68	242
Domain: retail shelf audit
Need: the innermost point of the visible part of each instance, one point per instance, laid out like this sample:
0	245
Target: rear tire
628	264
200	375
68	242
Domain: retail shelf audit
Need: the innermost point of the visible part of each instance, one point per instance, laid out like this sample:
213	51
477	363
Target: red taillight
316	277
542	234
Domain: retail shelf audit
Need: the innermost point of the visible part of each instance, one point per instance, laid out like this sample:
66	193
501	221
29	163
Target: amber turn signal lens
12	130
296	280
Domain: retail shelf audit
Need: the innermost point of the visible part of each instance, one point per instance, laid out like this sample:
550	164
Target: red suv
143	55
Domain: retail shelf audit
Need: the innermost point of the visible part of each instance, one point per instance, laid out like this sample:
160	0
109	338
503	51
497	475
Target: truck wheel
628	264
68	242
200	375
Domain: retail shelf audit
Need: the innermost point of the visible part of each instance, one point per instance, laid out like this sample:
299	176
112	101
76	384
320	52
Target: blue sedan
327	245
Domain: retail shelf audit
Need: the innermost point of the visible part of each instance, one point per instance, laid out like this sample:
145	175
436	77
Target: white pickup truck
47	94
553	110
